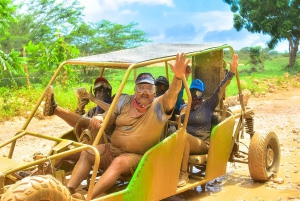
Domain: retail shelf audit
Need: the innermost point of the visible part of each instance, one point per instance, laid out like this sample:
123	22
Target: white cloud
114	5
247	41
213	20
283	46
169	3
97	10
210	27
129	12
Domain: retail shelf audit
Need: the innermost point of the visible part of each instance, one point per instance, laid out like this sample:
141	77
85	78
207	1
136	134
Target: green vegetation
279	19
49	32
35	42
20	101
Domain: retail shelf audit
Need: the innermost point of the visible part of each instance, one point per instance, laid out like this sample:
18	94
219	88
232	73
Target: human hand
179	67
234	64
82	103
96	122
188	71
88	96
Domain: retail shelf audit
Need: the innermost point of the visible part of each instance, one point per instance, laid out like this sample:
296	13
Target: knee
86	156
58	162
120	164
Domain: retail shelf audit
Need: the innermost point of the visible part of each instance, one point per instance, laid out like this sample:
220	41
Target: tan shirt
137	134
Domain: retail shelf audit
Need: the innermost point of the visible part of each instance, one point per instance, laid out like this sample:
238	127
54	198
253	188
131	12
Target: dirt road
279	112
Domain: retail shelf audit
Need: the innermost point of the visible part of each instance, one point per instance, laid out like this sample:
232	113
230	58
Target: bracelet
77	111
178	78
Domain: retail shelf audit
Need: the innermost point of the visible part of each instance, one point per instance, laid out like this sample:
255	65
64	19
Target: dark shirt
95	111
199	122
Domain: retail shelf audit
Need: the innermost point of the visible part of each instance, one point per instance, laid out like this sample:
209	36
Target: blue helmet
197	84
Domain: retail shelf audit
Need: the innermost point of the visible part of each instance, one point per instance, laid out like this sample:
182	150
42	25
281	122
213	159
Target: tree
44	18
41	21
10	63
6	15
255	57
43	58
279	19
106	36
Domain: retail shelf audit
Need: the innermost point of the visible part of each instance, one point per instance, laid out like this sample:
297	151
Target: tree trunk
262	56
26	70
293	49
293	54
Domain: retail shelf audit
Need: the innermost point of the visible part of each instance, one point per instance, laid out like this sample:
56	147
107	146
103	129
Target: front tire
264	156
37	188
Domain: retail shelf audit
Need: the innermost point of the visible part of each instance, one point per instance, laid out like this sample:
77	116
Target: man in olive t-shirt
135	118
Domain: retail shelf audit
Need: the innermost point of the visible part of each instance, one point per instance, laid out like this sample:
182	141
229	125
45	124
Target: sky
178	21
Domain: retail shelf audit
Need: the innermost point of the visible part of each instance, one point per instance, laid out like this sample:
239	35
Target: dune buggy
157	174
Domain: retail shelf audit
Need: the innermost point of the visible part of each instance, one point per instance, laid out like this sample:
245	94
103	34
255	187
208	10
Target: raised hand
89	95
234	64
179	68
188	71
82	103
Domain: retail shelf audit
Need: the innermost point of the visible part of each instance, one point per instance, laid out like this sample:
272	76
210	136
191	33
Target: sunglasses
149	88
196	93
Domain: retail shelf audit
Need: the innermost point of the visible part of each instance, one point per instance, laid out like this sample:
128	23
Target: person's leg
51	108
84	165
74	158
183	176
185	158
193	145
81	170
70	117
119	166
197	146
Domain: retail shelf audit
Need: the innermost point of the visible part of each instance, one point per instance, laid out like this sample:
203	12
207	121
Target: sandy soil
279	112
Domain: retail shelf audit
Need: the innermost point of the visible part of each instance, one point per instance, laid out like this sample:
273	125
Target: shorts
112	152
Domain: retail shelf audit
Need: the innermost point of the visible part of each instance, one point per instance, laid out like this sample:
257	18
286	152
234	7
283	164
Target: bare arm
103	105
218	94
91	97
179	69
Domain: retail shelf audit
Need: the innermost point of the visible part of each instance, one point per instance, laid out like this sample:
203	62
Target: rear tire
37	188
264	156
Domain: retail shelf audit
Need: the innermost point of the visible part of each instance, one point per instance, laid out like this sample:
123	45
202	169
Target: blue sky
178	21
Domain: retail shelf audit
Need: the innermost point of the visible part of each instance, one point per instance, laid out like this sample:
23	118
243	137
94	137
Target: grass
19	102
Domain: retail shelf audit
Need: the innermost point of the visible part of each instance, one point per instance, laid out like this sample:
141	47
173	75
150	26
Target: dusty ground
275	111
279	112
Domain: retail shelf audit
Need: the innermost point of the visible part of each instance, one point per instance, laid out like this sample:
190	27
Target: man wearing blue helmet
200	118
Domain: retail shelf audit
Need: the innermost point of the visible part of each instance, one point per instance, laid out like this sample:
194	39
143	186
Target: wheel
264	156
37	188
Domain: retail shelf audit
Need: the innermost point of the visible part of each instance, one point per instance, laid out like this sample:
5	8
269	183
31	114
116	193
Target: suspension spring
249	126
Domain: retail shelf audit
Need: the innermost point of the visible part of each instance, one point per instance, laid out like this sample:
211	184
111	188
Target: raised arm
234	63
102	104
179	69
91	97
218	94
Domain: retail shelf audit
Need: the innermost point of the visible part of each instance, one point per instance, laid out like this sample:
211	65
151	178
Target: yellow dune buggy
157	174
